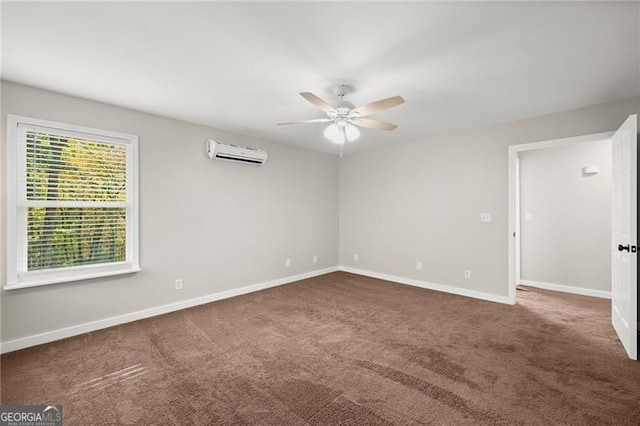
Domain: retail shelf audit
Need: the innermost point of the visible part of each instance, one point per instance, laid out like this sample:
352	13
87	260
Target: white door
624	290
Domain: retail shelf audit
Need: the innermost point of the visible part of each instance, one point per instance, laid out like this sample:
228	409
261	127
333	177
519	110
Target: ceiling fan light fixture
334	133
351	132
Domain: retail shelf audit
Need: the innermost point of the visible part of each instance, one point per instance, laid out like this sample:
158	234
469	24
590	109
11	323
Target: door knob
623	248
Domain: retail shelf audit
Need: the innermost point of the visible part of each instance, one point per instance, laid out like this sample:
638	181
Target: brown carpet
342	349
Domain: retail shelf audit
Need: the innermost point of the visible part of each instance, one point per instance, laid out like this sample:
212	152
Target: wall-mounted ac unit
237	153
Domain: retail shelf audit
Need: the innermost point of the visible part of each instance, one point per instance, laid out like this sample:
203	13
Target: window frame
19	277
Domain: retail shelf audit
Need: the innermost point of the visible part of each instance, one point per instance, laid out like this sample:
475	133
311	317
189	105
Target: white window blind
75	206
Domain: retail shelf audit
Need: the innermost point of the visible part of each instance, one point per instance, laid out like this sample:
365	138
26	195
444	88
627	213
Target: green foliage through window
62	172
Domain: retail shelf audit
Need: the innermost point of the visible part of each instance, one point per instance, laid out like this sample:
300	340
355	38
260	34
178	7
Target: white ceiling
240	66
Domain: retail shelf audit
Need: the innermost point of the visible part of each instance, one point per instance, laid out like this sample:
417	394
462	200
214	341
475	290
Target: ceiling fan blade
373	124
317	101
378	106
315	120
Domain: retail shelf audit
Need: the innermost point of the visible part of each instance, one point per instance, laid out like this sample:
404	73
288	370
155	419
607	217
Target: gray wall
217	225
421	201
567	240
221	226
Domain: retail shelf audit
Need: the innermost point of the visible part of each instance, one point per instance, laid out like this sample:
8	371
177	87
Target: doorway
565	222
623	250
515	152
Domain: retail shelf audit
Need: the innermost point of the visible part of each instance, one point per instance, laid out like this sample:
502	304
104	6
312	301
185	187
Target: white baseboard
50	336
431	286
568	289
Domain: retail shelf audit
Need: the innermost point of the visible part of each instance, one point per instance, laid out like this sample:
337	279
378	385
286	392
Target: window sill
34	282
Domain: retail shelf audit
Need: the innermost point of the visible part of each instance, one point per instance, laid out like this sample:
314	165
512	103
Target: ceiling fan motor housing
343	107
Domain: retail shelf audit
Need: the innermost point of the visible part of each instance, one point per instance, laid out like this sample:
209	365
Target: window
72	203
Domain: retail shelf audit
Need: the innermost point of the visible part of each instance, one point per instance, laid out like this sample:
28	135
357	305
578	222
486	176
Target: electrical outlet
287	263
355	257
179	284
467	274
419	266
314	259
485	217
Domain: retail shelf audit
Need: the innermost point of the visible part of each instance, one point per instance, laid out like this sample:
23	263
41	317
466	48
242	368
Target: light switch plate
485	217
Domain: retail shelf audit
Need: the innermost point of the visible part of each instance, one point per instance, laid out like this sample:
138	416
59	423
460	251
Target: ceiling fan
345	116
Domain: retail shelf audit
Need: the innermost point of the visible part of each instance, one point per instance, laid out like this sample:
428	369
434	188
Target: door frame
513	235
